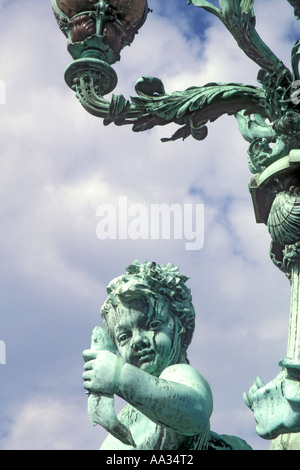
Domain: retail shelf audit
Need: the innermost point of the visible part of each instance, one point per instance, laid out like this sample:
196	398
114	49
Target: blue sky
58	164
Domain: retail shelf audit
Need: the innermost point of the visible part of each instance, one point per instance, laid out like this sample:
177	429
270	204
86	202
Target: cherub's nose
140	340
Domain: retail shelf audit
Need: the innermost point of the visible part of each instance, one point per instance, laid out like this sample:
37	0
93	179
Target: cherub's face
144	336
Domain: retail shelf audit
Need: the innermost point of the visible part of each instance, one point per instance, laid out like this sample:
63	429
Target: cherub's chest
146	434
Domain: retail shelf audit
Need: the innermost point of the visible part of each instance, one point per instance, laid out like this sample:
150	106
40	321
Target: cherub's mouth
145	356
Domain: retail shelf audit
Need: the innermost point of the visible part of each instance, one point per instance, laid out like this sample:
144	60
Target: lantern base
102	77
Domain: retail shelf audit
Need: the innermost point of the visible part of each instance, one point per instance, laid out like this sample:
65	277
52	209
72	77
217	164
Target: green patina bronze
269	119
150	318
267	114
101	408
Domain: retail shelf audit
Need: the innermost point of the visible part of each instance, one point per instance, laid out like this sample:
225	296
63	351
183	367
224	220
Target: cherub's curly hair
149	279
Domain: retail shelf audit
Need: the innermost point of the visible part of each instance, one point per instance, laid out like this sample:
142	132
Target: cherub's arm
179	399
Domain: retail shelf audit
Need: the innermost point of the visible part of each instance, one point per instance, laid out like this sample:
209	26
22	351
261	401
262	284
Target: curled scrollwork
192	109
269	142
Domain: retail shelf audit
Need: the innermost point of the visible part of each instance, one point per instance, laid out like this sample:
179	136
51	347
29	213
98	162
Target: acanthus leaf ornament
91	77
192	108
239	18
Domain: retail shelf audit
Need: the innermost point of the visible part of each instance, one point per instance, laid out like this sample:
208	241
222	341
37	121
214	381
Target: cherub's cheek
161	342
154	339
123	353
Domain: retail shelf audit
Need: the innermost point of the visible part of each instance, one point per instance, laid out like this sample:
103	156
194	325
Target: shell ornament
284	218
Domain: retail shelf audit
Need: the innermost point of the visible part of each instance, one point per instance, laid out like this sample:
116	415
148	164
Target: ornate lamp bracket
276	200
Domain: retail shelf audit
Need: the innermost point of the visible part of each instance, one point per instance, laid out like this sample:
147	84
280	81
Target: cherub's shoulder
180	370
185	374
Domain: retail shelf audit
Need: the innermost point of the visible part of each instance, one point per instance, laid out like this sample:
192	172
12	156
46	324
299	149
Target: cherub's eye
122	337
155	324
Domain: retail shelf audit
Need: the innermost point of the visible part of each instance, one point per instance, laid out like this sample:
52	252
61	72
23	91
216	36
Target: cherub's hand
102	372
101	376
276	406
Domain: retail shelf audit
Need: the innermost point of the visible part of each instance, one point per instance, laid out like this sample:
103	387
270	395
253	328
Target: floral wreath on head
152	279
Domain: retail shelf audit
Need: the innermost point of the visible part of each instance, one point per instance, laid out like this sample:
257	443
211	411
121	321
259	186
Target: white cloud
49	423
